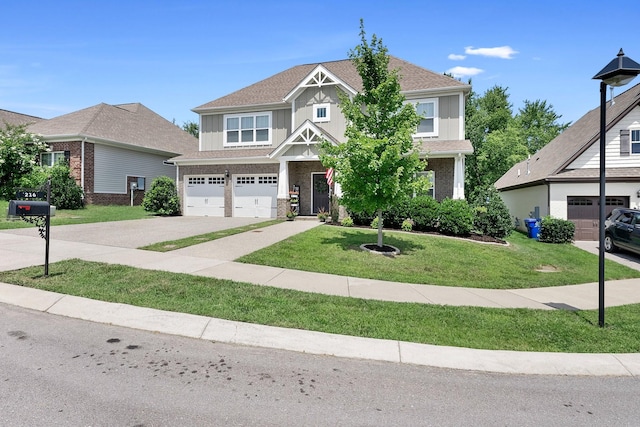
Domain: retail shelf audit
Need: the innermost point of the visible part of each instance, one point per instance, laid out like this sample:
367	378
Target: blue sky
61	56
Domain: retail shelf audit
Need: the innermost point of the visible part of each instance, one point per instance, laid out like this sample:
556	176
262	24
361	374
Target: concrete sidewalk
214	259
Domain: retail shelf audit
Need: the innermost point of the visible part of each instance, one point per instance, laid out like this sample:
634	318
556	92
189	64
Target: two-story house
562	179
259	144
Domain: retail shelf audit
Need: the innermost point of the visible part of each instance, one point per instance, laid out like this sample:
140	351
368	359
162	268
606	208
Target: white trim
254	129
318	77
327	110
461	116
435	117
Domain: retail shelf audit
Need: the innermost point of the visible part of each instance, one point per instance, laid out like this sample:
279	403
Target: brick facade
443	169
75	164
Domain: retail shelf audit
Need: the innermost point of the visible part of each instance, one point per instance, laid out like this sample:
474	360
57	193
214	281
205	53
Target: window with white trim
321	113
635	141
431	176
51	158
247	129
427	109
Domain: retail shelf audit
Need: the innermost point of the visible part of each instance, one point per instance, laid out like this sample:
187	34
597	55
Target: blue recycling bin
533	227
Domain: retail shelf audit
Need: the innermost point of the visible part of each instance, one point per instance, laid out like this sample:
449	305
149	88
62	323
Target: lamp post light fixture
620	71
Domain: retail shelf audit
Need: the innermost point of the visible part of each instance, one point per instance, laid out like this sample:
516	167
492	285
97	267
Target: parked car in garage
622	230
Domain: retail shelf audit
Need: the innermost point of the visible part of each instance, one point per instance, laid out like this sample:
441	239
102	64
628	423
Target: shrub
375	222
555	230
492	216
407	225
347	221
65	192
393	217
162	198
424	211
456	217
361	218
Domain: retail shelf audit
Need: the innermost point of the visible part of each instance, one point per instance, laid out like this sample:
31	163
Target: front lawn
91	213
472	327
438	260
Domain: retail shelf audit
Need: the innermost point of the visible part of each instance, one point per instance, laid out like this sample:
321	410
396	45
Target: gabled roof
123	124
554	157
273	90
16	119
308	133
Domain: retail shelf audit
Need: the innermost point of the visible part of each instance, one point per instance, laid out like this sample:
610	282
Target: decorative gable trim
319	77
307	134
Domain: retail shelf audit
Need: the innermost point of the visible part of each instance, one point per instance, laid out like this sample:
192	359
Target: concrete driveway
139	232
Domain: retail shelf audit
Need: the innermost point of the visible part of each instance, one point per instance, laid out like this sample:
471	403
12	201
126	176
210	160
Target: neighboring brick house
110	147
562	179
259	143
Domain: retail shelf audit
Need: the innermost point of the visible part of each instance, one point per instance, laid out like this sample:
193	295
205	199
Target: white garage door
204	195
255	196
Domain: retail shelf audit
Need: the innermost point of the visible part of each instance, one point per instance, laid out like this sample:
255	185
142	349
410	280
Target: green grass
473	327
91	213
171	245
437	260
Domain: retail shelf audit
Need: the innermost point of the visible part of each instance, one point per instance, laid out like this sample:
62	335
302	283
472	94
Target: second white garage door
204	195
255	196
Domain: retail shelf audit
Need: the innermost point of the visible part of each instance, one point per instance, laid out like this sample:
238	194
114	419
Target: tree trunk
380	228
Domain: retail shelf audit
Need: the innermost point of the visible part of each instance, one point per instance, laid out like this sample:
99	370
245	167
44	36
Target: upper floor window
635	141
321	113
427	109
247	129
52	157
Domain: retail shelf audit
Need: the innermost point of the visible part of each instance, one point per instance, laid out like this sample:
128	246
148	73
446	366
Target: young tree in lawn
377	165
19	150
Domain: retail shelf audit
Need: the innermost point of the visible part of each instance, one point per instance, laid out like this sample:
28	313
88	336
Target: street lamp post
618	72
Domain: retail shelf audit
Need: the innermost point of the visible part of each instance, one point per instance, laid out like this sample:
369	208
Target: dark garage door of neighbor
583	211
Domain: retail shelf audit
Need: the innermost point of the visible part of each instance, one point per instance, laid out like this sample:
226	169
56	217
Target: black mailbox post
36	212
28	208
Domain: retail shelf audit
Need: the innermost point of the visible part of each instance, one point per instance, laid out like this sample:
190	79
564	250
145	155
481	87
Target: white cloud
460	72
504	52
456	57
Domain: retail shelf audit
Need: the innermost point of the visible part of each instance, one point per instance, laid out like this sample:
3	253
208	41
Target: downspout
82	164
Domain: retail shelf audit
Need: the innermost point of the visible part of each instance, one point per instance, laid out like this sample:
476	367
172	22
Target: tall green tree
377	165
501	139
192	128
539	124
19	151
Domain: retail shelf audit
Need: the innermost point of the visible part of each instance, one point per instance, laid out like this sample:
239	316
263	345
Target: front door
320	193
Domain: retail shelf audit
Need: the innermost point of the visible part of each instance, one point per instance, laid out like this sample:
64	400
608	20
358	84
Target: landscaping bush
394	217
555	230
347	221
407	225
361	218
456	217
375	223
492	217
424	211
162	198
65	192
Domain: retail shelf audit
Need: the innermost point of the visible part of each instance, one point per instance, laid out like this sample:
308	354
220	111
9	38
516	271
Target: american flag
329	176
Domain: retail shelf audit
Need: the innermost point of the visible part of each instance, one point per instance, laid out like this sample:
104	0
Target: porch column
458	177
337	190
283	180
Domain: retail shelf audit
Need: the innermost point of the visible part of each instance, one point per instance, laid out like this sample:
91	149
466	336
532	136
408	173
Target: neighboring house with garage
16	119
260	144
113	148
562	179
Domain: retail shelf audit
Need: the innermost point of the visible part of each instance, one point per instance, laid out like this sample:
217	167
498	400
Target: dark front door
320	193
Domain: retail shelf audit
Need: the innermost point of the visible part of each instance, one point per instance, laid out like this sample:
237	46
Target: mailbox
28	208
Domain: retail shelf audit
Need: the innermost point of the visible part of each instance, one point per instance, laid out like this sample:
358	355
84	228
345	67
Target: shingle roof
272	90
130	124
449	146
229	153
15	119
553	158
